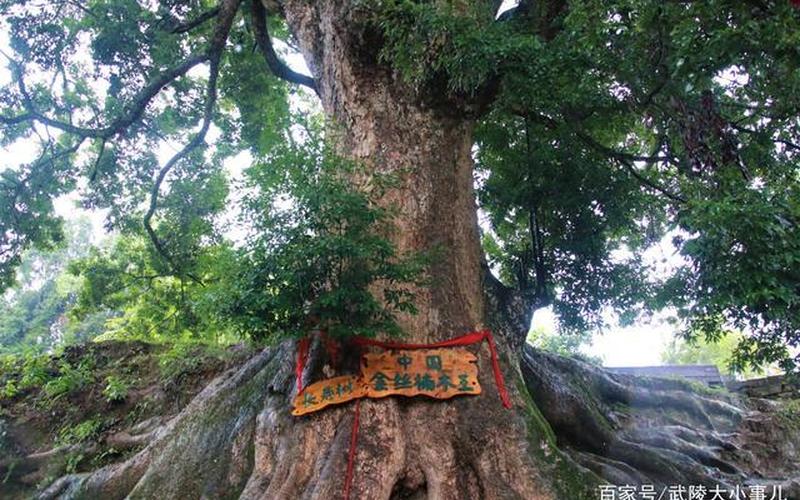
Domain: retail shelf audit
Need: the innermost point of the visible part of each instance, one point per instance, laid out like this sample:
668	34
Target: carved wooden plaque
437	373
328	392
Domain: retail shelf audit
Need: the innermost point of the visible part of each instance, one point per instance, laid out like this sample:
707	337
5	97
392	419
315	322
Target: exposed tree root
631	430
237	440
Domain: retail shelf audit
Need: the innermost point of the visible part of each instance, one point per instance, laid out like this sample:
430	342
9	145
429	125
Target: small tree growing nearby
318	251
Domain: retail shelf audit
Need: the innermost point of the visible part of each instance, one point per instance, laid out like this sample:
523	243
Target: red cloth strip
498	375
467	339
300	364
351	454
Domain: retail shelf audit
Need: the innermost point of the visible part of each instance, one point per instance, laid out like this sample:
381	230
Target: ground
114	417
93	404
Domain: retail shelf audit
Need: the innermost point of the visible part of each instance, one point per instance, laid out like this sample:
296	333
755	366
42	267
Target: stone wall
777	386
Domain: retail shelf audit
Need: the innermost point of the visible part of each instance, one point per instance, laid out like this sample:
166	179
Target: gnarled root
632	430
237	439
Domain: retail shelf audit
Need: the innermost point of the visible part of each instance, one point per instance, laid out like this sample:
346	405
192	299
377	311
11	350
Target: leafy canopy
602	128
614	125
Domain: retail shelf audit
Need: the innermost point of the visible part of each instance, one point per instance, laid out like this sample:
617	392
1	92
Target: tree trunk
466	448
238	439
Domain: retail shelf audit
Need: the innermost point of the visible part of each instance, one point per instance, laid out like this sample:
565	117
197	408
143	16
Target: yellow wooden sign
329	392
437	373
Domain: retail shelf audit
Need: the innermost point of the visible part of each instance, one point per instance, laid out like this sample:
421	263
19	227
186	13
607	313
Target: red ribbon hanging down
331	347
464	340
300	363
468	339
351	452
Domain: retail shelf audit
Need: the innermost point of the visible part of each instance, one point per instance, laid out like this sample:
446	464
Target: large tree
597	127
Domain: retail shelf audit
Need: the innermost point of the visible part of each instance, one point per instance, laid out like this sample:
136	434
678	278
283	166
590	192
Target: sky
638	345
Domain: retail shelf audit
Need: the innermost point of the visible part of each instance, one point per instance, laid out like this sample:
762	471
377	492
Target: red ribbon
468	339
300	364
331	347
351	453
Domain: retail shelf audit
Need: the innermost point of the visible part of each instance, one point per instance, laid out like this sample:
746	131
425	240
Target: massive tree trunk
238	439
466	448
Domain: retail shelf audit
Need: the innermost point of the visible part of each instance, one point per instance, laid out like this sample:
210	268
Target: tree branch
15	120
135	109
264	42
789	144
624	159
194	23
616	154
650	183
95	168
226	14
537	239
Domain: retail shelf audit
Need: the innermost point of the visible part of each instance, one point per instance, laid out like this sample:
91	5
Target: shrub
116	389
69	380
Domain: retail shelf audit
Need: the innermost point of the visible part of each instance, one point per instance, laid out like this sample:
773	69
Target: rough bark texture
239	432
381	123
632	430
237	439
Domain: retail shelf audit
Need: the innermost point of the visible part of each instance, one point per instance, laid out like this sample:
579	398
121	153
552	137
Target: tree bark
237	439
466	448
241	434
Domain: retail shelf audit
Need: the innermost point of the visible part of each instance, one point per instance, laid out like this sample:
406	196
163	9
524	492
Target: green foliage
745	255
116	389
10	389
36	222
34	370
320	245
34	310
127	277
602	128
80	432
560	227
179	359
77	434
565	343
70	378
717	352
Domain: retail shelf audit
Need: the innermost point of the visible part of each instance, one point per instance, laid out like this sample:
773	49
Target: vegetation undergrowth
78	397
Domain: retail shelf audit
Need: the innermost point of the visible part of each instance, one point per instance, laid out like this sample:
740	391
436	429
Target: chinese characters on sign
437	373
328	392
